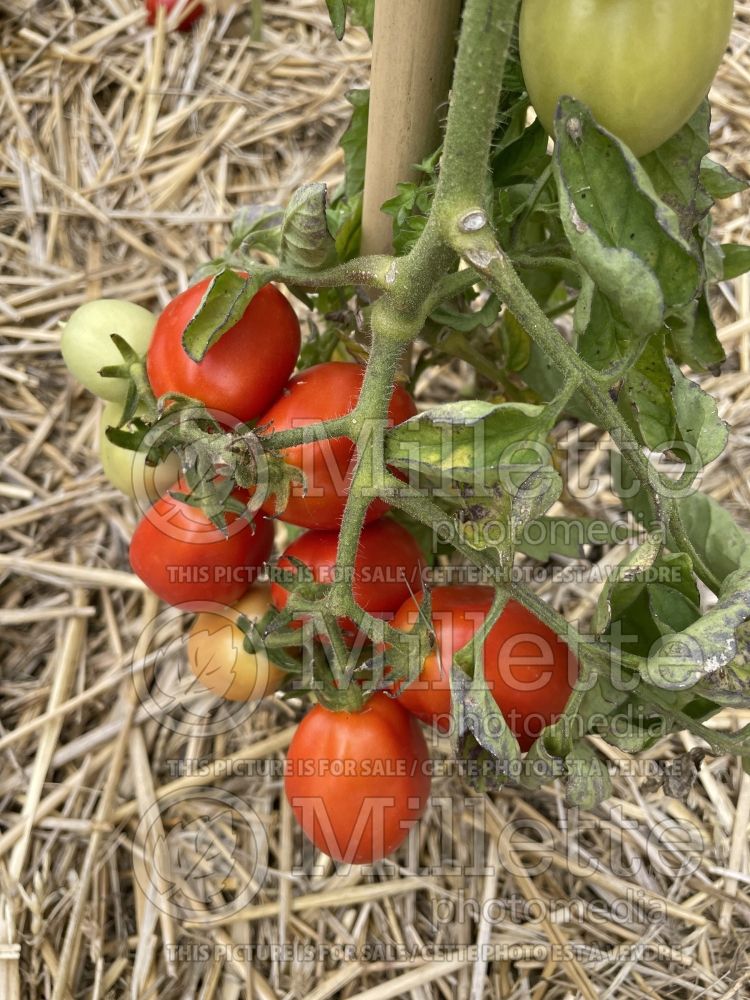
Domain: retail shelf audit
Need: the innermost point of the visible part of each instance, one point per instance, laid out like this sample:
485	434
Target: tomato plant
217	651
87	346
529	670
552	286
128	470
388	567
325	392
245	371
642	67
193	8
186	559
358	781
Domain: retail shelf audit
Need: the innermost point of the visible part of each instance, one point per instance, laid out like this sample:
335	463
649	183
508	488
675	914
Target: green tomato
128	471
642	66
87	346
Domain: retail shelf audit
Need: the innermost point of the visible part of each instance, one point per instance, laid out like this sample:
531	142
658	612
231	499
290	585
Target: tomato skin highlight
324	392
186	560
643	67
216	653
357	781
529	670
187	21
244	372
388	567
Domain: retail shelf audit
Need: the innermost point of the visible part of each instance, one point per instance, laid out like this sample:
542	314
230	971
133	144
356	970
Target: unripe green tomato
642	66
128	471
87	346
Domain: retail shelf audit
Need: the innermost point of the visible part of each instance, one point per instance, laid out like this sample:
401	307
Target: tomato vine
498	241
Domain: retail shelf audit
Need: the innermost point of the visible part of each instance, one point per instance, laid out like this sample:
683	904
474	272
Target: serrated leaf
223	303
305	239
625	237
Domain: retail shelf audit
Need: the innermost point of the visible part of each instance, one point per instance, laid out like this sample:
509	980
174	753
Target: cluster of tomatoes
356	780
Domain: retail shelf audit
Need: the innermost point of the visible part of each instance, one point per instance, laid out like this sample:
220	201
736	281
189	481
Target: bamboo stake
412	66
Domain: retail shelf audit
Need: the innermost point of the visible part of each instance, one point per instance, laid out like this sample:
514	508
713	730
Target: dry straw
123	153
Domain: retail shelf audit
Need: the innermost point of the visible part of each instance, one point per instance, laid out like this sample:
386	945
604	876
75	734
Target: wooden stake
412	66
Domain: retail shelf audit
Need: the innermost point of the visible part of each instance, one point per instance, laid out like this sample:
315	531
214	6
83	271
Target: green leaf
476	712
354	142
543	376
604	335
692	338
720	542
363	13
471	441
730	685
645	601
467	322
305	239
736	260
588	781
540	765
705	646
717	180
222	305
337	14
622	586
645	398
625	237
524	158
348	228
257	227
675	171
699	425
566	536
669	412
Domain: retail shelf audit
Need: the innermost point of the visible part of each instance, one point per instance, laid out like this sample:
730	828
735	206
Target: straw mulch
145	849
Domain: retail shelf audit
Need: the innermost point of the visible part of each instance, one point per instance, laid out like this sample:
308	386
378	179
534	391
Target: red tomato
387	570
530	671
322	393
187	21
186	560
357	781
244	372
